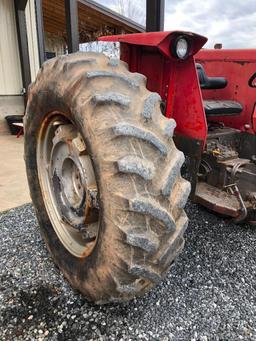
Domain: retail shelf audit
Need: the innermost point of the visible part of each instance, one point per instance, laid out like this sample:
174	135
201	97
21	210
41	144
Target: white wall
10	71
32	38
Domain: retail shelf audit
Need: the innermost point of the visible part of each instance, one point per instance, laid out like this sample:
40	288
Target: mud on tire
137	169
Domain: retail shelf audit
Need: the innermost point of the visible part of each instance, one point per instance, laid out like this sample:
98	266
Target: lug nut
78	143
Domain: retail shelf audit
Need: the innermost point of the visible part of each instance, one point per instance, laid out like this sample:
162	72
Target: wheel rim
68	184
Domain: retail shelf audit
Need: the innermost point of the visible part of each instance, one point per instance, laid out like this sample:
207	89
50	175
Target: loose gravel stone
209	294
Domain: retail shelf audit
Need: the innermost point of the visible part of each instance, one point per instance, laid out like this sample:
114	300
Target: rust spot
88	249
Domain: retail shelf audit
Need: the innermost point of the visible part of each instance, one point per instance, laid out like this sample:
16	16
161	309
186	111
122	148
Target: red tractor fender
175	80
161	40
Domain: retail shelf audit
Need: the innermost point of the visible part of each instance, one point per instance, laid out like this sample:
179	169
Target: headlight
181	48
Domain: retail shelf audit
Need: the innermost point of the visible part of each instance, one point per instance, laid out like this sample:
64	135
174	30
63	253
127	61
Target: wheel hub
69	185
72	183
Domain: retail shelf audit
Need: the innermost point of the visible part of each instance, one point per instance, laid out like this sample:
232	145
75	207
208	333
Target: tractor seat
222	108
209	82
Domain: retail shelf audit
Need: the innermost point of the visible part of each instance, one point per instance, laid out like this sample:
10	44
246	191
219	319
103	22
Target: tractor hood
161	40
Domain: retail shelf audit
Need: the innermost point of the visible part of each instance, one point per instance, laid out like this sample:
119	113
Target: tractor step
217	200
222	108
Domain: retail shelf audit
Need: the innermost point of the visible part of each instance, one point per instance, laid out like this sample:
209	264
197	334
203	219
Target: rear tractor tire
104	176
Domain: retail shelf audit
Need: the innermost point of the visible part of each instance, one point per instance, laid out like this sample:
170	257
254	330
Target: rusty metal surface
227	174
217	200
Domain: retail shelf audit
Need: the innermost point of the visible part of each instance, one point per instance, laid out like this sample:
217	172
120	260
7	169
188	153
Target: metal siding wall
10	71
32	38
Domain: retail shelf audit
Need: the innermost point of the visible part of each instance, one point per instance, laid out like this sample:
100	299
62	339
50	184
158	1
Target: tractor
105	145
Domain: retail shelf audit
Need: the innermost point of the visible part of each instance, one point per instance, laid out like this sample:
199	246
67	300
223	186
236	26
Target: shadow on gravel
30	308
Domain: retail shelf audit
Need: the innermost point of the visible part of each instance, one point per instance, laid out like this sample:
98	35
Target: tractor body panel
163	41
226	180
211	96
174	80
239	68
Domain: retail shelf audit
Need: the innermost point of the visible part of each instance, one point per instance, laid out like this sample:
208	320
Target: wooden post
20	6
72	25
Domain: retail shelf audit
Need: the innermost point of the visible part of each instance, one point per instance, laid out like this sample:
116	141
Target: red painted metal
175	80
177	83
184	102
161	40
238	67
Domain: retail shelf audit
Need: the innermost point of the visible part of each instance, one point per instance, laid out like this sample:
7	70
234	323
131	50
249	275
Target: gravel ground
208	295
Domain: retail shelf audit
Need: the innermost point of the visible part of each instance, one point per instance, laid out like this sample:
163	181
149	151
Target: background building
32	31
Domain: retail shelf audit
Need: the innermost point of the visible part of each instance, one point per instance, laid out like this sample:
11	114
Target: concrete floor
13	182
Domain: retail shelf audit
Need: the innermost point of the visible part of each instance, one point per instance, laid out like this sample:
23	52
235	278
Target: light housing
180	48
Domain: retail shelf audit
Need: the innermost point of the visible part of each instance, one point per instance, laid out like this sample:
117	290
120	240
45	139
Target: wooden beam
89	17
155	15
72	25
23	44
40	31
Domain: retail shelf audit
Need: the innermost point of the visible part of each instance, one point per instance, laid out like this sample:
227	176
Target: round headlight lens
182	48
